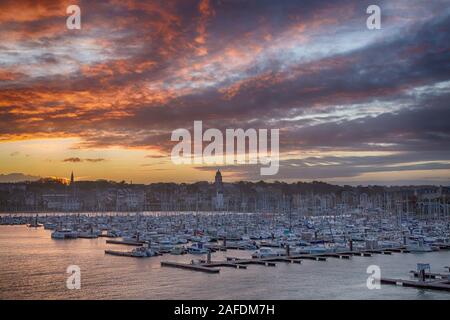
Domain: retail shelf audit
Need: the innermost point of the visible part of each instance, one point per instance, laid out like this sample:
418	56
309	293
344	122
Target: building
219	191
67	201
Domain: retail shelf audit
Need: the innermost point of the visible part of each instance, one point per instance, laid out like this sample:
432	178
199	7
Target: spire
218	181
71	178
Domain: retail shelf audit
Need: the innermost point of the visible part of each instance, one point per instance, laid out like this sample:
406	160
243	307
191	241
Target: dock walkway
125	242
193	267
443	285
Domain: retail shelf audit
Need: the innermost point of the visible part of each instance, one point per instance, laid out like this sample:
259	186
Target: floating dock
443	285
223	264
87	236
121	254
125	242
237	263
316	257
193	267
431	275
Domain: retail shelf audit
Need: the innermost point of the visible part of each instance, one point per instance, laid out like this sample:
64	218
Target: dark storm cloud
333	167
422	127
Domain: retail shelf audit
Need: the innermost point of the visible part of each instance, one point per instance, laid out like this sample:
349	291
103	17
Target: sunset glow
353	105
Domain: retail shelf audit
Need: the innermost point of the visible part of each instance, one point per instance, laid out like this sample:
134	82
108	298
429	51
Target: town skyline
24	178
242	196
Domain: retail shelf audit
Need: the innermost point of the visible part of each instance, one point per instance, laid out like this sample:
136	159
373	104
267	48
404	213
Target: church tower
219	190
218	182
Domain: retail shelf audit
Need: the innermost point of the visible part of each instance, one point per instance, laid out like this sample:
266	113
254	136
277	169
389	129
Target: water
33	266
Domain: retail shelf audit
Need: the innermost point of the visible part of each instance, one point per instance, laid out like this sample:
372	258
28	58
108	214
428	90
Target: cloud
17	177
156	156
76	159
73	160
138	70
95	160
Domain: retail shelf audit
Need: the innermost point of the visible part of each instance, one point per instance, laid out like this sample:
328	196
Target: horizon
19	178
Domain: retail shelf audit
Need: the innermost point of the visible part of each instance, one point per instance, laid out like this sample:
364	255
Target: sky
353	105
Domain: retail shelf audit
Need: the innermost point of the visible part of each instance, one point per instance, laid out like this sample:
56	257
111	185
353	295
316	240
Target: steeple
71	179
218	181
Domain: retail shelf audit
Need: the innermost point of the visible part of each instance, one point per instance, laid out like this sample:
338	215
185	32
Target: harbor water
33	266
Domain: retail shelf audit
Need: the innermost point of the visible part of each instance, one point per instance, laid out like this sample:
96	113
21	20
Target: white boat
165	245
49	226
178	250
178	240
418	246
197	248
311	250
247	245
90	234
388	244
265	253
113	233
143	252
203	239
64	234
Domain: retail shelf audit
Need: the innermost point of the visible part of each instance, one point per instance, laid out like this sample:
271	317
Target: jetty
240	263
192	266
431	275
125	242
443	285
121	253
439	281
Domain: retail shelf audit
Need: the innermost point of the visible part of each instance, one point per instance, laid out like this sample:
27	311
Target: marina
426	280
106	276
264	235
209	243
